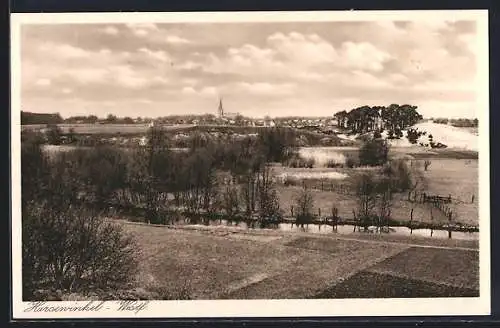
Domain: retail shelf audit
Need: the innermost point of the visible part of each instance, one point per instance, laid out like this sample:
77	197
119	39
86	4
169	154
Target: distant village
126	131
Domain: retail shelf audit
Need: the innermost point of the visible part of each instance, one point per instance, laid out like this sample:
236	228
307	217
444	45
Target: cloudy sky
276	69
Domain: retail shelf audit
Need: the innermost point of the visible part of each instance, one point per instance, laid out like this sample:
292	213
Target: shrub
331	163
74	250
351	162
290	181
300	162
413	135
310	162
53	134
399	175
374	152
377	135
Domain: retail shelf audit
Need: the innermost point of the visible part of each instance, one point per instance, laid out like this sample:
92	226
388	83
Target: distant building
226	115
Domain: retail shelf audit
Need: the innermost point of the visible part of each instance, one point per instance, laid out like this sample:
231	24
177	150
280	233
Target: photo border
267	308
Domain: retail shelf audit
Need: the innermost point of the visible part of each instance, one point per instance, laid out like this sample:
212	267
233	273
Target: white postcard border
262	308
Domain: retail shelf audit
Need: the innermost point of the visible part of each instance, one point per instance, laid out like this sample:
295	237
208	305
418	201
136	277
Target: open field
106	128
231	264
325	200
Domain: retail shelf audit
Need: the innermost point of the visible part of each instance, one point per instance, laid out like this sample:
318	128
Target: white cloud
208	91
143	29
105	51
188	90
110	30
362	55
157	55
64	51
188	65
264	88
67	90
173	39
43	82
87	75
303	49
144	101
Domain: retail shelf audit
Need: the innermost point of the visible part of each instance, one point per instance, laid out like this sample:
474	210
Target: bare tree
366	193
304	207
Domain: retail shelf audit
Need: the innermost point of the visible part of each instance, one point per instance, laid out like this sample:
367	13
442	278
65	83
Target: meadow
266	264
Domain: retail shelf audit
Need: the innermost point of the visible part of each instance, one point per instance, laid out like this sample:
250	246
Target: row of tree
365	118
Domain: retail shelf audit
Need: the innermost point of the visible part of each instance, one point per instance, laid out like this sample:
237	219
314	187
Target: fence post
354	215
450	214
432	221
411	222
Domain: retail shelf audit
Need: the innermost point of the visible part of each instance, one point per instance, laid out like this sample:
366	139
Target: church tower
221	109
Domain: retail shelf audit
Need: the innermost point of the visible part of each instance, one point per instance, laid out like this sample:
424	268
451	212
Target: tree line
393	118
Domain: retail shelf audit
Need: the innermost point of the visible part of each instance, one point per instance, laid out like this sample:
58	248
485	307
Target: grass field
267	264
325	200
415	272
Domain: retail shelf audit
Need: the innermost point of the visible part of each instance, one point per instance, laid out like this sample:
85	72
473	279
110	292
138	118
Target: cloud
468	41
157	55
273	68
189	90
264	88
362	55
208	91
173	39
143	29
43	82
303	49
64	51
110	30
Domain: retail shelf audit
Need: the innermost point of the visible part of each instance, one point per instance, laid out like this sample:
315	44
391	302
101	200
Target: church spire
221	109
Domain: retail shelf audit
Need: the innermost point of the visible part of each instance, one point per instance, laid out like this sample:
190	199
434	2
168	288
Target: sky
259	69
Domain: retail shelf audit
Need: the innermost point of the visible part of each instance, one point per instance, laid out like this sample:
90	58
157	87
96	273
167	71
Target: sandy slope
449	135
453	137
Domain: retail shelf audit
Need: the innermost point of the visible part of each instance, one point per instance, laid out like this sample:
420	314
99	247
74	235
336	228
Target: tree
268	198
277	144
230	201
150	175
111	118
304	204
384	202
374	152
366	188
53	134
341	118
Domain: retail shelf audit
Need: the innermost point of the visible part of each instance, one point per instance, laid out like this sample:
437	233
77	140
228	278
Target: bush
351	162
413	135
374	152
300	162
399	175
75	251
377	135
53	134
331	163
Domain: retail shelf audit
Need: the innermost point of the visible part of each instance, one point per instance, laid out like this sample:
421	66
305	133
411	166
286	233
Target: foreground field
228	263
